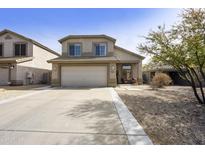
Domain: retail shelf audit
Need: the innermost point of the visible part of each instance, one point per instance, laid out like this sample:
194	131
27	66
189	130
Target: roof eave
16	61
86	36
58	60
81	62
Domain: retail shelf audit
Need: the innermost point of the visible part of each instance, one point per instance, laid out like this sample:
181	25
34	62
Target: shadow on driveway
105	118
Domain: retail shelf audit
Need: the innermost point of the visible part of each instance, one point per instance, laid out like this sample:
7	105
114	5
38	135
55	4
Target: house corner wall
55	76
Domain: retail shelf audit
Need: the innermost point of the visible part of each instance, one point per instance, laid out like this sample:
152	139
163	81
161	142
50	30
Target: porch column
139	72
55	77
134	70
119	68
112	80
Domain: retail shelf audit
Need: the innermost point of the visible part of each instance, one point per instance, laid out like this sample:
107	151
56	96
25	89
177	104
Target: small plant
160	80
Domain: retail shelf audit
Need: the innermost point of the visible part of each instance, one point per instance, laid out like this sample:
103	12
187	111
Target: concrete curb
43	89
133	130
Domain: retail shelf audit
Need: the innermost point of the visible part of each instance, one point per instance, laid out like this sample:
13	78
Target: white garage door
4	73
84	76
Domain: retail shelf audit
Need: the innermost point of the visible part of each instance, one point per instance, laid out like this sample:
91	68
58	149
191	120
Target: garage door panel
84	76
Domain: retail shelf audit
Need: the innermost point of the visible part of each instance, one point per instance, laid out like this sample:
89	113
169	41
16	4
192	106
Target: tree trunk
191	82
200	84
193	85
202	73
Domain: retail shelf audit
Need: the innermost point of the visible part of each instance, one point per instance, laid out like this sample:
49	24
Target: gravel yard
169	116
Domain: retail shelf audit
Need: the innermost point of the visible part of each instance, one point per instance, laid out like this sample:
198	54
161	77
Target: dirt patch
169	116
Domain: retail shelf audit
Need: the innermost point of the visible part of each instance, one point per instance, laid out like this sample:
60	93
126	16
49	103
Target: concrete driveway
62	116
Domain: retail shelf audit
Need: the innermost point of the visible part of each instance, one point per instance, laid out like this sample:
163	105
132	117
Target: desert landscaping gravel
169	115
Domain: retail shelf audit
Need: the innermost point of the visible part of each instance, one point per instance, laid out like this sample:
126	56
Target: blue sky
49	25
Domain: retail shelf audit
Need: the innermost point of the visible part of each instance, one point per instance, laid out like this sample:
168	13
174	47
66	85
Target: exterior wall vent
8	37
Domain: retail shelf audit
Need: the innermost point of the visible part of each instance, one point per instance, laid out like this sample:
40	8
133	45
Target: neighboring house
95	60
23	60
148	74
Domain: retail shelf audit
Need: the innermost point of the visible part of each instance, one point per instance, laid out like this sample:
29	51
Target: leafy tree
182	47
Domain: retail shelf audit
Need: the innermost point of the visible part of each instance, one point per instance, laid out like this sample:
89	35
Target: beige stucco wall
38	66
56	73
87	45
9	44
123	56
41	56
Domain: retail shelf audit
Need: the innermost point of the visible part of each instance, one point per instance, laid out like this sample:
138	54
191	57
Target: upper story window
1	50
20	49
75	49
100	49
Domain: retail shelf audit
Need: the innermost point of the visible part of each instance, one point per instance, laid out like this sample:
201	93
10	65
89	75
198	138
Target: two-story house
23	60
95	60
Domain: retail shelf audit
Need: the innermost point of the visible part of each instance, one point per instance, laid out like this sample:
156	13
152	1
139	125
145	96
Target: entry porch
129	73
